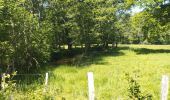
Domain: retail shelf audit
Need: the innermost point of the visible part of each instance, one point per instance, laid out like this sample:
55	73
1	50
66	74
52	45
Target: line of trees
30	30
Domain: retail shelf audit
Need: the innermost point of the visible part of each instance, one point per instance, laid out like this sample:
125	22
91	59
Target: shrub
7	86
134	90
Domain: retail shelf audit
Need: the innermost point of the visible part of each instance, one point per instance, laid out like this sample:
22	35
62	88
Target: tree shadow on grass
76	57
93	56
27	82
150	51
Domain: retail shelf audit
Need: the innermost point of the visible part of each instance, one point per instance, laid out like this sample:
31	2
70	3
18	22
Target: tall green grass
69	82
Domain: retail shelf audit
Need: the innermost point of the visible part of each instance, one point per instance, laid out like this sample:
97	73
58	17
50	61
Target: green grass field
69	82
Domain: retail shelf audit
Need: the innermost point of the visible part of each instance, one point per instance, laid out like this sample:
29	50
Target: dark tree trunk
82	46
59	46
116	44
138	39
75	46
106	45
87	47
113	44
98	45
69	46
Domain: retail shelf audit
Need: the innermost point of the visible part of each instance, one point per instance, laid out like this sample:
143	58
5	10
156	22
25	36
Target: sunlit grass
70	82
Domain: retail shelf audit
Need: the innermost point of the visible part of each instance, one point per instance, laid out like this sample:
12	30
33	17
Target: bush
7	86
134	90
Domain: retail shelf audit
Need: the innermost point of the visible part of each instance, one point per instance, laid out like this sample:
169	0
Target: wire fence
24	82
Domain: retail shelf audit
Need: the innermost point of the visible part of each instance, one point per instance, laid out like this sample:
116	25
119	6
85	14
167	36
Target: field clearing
145	62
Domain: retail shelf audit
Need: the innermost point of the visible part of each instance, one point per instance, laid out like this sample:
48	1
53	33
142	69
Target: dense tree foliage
151	26
24	41
30	30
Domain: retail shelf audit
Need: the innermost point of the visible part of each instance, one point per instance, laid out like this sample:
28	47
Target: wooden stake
3	81
46	82
91	85
164	87
11	97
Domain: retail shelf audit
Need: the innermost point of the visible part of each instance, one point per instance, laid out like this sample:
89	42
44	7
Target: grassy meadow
68	81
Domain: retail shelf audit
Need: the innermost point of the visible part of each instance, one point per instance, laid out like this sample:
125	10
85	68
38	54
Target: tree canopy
31	30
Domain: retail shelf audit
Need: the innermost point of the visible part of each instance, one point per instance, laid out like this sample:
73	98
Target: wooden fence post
46	82
91	85
11	97
164	87
3	81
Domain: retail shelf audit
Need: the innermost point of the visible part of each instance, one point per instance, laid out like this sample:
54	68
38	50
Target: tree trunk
98	45
75	46
106	45
59	46
82	46
69	46
87	46
113	44
116	44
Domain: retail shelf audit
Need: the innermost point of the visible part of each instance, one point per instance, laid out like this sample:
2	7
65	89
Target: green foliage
6	53
24	41
109	68
32	30
150	26
135	91
7	86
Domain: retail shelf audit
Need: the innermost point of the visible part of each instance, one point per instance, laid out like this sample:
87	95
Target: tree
85	22
28	43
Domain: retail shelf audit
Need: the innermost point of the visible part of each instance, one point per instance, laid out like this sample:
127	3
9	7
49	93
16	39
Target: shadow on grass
80	59
150	51
76	57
